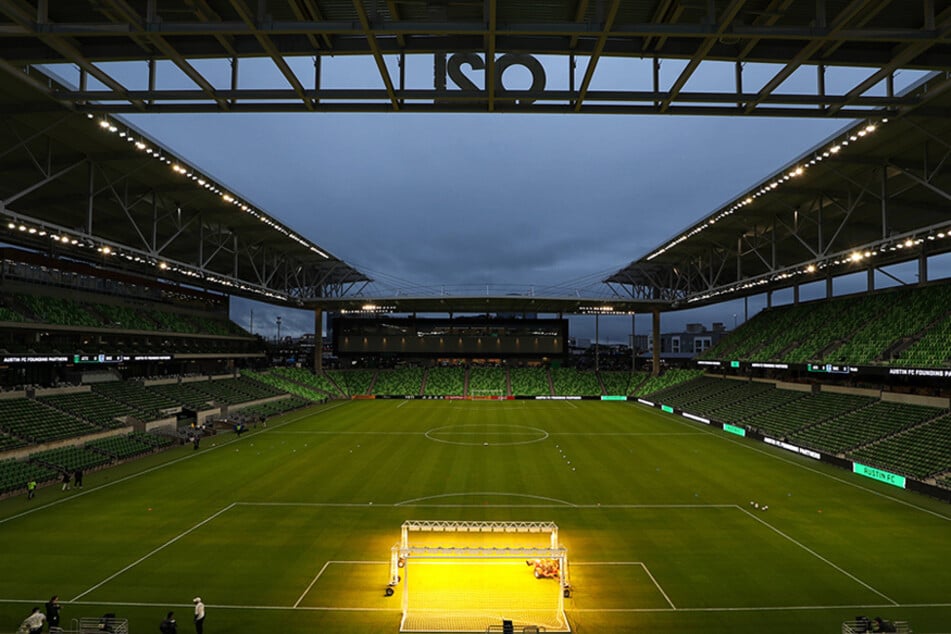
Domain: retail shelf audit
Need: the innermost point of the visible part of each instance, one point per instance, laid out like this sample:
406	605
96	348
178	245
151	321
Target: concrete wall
913	399
795	387
857	391
68	442
53	391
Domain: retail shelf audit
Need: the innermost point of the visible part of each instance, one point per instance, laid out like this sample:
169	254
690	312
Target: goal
470	576
487	395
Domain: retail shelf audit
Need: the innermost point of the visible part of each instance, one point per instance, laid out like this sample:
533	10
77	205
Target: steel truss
113	209
881	35
864	212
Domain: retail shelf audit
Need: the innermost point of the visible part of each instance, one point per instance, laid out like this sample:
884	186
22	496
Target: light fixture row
65	239
846	258
829	151
142	145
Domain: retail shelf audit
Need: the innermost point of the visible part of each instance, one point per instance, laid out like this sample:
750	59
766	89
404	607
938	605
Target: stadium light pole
278	329
633	342
597	344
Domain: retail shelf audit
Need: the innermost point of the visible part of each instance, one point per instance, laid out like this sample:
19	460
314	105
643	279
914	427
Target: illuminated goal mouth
470	576
489	435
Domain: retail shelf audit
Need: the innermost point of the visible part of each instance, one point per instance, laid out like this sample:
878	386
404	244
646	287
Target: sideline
137	474
782	458
152	552
817	555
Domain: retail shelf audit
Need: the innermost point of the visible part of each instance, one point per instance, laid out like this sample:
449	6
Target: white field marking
486	493
189	456
764	608
152	552
402	404
570	404
557	504
671	603
494	403
311	585
779	455
628	563
314	504
481	431
625	433
775	608
458	430
817	555
319	432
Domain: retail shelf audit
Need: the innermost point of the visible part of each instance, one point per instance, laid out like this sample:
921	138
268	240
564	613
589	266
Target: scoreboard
471	337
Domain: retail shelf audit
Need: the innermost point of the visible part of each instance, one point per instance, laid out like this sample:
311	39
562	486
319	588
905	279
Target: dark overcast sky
474	200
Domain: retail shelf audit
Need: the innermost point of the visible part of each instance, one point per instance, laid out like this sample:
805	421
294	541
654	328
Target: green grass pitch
289	528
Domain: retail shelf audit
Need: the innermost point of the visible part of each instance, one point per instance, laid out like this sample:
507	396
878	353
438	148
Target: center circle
490	435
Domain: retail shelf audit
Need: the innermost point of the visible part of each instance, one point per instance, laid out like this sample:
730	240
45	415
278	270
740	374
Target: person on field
52	613
65	480
199	615
31	489
169	626
34	623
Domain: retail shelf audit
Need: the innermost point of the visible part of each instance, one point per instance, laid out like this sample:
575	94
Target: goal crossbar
443	543
440	552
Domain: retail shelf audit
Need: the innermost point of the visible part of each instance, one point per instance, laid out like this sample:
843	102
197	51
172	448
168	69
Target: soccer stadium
453	462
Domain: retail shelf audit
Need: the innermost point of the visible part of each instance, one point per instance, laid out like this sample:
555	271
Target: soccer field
290	528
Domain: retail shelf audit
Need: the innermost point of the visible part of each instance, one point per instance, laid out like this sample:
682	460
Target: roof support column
922	268
655	332
597	342
91	193
883	197
318	340
870	283
633	342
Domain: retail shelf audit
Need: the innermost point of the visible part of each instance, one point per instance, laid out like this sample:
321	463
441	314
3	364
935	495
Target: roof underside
61	173
880	35
876	194
97	190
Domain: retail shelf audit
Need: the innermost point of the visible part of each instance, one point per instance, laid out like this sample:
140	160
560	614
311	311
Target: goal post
487	395
468	576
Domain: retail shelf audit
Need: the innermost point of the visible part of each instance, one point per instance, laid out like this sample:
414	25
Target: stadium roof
881	197
98	190
883	35
877	193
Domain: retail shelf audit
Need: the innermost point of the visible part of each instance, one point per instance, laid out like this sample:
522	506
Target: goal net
468	576
487	395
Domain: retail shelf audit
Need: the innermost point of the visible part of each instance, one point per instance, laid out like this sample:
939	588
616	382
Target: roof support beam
70	52
903	56
377	53
131	17
596	54
276	56
851	11
726	19
490	67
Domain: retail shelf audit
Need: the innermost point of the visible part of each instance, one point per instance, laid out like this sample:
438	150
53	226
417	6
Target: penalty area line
314	580
818	556
152	552
630	563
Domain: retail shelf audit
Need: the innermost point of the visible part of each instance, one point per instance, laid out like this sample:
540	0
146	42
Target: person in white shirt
199	615
34	623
